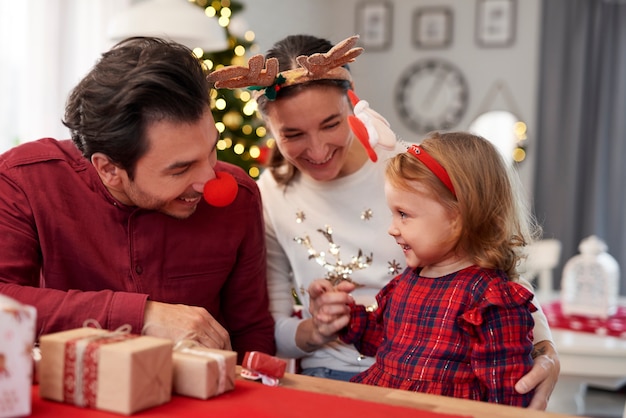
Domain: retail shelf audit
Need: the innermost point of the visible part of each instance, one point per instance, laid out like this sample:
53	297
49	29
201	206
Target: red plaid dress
466	335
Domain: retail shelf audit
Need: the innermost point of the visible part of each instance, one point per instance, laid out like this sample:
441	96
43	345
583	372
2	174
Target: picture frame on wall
373	24
495	23
432	27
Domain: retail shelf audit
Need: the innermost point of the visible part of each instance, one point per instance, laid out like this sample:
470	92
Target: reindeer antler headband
262	74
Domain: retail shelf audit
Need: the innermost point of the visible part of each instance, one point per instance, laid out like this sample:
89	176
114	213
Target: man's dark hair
139	81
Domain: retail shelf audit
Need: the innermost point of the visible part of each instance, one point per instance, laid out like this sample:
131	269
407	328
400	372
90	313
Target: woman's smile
319	162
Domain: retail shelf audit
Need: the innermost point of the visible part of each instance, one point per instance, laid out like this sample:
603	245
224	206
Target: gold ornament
338	271
232	120
394	267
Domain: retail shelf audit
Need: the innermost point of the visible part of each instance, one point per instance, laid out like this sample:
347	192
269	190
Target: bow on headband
433	165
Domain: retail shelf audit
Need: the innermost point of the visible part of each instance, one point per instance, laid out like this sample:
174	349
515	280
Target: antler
259	72
340	54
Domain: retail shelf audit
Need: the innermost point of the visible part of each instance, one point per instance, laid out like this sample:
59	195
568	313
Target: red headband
434	166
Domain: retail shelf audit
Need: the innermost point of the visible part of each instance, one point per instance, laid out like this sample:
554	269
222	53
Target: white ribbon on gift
219	358
265	379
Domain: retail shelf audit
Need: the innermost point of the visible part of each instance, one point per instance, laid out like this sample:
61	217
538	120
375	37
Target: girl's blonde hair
496	220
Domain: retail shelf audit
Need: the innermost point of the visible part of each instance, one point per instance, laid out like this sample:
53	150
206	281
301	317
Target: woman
324	204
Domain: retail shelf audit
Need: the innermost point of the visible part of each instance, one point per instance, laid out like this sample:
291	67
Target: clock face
431	95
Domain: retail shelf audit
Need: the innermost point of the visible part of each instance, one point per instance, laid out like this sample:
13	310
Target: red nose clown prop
222	190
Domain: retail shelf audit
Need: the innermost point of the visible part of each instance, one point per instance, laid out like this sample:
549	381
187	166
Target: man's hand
542	377
182	322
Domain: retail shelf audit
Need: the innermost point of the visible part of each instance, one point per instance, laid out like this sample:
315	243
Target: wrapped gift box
202	373
111	371
261	366
265	364
17	335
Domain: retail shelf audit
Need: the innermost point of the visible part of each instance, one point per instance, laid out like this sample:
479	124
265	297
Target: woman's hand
542	377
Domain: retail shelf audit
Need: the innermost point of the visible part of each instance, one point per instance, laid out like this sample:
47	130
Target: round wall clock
432	94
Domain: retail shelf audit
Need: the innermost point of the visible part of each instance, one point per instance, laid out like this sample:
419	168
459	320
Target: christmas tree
242	131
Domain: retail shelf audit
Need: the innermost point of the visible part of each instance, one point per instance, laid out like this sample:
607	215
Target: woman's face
312	132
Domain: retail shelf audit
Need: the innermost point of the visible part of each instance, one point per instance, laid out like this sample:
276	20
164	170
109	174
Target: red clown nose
222	190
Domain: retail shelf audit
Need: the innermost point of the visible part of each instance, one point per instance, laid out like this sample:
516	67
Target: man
112	226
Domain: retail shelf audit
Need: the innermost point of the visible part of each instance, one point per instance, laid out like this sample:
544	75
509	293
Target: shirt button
138	269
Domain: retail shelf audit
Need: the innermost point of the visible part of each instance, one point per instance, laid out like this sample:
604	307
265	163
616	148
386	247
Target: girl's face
426	231
312	132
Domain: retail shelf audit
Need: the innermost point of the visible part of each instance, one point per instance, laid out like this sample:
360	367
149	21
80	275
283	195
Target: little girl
454	323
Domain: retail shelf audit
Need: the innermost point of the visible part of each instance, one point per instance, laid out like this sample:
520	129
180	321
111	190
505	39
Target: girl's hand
329	306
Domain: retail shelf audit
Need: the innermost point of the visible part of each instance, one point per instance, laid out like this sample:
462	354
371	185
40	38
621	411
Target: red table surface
249	400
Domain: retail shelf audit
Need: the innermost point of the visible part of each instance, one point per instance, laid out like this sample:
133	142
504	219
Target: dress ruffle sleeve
499	295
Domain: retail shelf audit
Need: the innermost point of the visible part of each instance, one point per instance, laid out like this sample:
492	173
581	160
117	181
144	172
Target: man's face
180	159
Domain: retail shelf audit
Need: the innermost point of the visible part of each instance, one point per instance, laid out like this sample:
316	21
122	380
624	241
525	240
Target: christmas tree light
241	129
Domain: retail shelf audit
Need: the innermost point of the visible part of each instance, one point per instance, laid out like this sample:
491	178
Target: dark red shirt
466	335
75	253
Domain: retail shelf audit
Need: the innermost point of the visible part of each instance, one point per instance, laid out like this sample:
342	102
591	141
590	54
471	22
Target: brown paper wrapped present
17	335
112	371
201	372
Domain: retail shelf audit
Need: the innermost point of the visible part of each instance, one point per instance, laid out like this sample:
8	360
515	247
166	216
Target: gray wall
376	72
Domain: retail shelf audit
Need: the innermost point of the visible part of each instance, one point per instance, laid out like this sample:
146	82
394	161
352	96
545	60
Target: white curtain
47	47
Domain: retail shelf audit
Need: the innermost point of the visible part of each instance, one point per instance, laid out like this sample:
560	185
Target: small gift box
257	365
201	372
109	370
17	335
